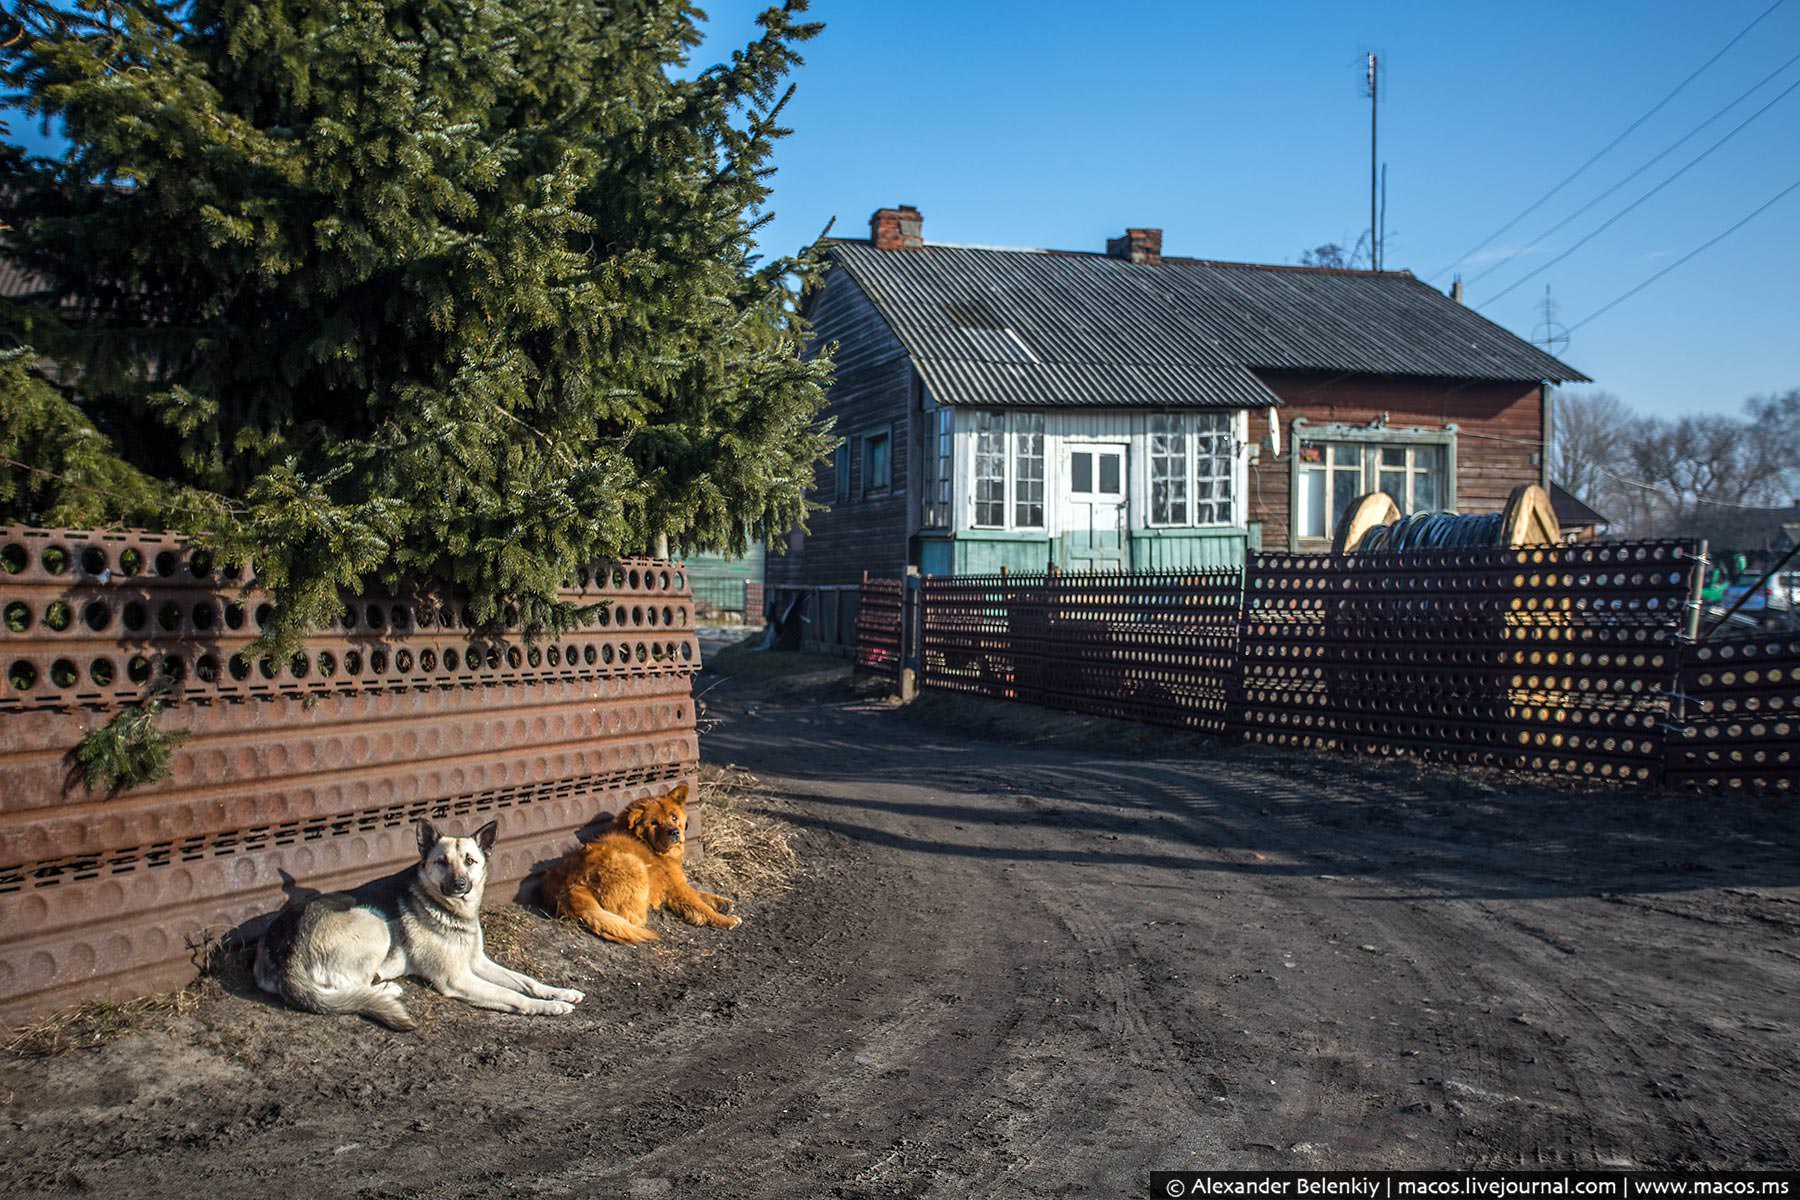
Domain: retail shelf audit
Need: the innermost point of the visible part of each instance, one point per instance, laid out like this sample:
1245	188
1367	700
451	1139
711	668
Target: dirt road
1019	970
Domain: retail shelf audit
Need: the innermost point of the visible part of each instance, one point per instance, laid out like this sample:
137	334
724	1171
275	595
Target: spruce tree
451	292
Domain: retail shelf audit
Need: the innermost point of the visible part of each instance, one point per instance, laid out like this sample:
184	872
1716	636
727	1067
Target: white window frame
1184	456
1223	426
976	456
938	455
1021	426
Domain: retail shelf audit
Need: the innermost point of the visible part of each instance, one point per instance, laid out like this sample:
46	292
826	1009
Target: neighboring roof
1571	510
987	326
16	281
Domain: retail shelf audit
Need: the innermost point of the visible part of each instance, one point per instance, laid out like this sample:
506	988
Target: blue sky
1241	129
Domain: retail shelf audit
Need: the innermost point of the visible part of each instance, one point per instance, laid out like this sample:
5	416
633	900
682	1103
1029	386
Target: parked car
1764	601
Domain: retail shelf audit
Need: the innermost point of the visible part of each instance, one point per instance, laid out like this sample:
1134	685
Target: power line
1614	219
1683	140
1690	254
1678	498
1604	150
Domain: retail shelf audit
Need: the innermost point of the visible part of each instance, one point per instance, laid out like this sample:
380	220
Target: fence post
911	592
1691	626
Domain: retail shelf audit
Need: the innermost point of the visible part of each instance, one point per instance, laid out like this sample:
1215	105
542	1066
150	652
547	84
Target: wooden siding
1186	549
872	391
1499	440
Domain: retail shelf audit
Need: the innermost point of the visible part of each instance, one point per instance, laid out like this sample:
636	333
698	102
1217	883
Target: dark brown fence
878	627
818	617
1560	660
1739	728
1554	659
1152	647
305	773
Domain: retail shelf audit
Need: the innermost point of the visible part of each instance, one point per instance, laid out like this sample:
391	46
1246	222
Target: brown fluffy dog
612	883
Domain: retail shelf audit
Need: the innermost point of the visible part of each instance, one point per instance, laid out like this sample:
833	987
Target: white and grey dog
342	952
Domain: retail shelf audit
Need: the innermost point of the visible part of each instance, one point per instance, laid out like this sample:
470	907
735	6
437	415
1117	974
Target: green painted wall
711	567
982	552
1187	549
718	582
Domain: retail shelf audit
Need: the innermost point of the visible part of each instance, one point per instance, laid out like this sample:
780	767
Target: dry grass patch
94	1023
747	853
505	930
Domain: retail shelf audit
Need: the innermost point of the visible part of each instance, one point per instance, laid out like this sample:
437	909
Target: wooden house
1127	410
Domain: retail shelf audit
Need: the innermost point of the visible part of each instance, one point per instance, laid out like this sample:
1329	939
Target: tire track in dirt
1062	968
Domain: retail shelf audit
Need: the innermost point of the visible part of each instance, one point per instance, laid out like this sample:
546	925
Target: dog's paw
730	922
568	995
558	1008
719	903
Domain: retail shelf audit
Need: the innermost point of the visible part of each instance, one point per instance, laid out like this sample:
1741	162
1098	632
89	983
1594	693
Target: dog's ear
484	837
678	795
635	816
428	836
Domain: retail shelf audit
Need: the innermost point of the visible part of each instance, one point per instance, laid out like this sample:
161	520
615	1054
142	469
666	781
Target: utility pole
1374	75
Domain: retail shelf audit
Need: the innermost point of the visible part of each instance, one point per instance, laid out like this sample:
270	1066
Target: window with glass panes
1168	469
1333	474
1191	469
1213	447
1028	470
877	462
990	470
939	441
1412	475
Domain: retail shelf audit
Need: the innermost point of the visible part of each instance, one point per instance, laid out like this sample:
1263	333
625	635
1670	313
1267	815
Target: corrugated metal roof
16	281
956	381
1049	327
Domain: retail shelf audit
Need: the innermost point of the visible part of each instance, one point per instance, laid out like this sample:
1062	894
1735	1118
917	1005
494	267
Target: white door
1093	507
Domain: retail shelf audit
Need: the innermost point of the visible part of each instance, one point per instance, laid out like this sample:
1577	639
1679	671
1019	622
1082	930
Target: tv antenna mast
1372	79
1550	333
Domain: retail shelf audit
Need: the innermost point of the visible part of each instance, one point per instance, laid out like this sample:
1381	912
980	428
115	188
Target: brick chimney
896	228
1138	245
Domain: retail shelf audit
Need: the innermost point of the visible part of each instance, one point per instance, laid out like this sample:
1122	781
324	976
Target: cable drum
1373	524
1432	531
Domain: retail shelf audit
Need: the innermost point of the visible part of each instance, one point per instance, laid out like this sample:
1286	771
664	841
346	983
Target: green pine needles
448	292
129	750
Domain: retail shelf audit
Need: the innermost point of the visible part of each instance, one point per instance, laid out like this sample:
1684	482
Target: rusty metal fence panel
1552	659
878	627
306	773
1148	647
1740	721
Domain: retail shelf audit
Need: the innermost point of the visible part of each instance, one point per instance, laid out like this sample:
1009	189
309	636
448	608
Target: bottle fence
1565	660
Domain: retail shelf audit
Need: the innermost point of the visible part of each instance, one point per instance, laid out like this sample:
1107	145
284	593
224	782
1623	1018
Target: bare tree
1709	475
1589	431
1334	254
1329	255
